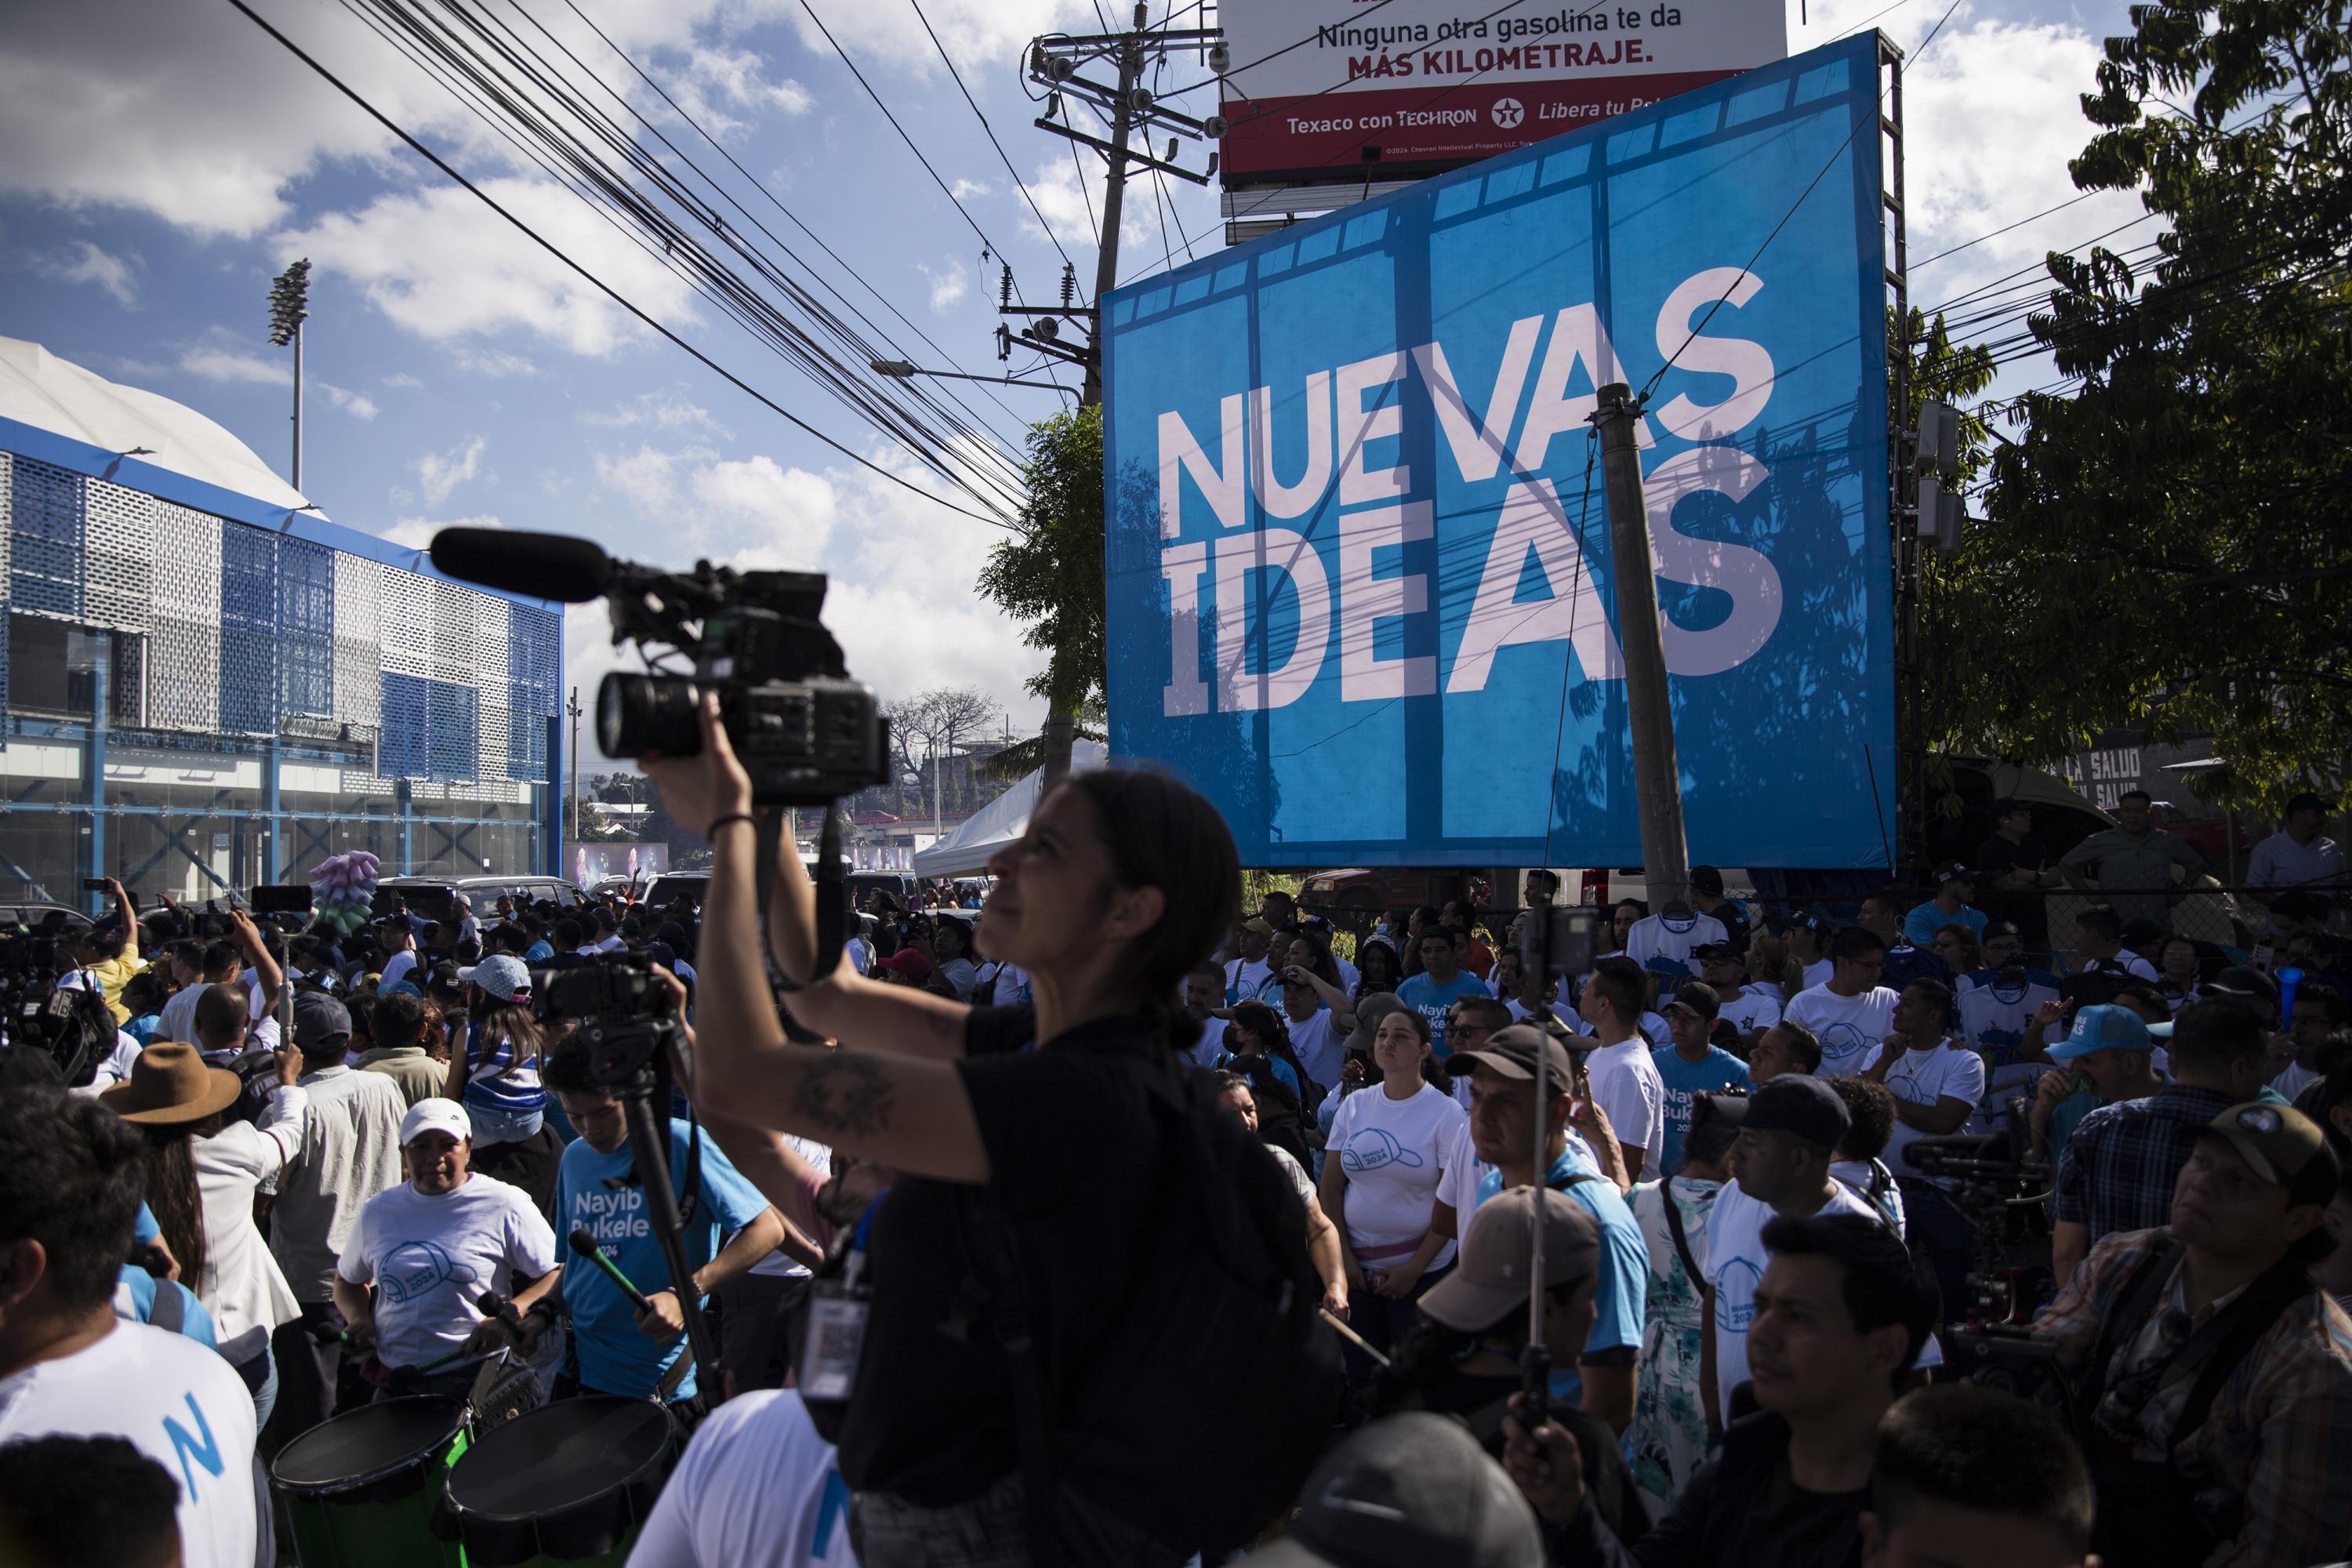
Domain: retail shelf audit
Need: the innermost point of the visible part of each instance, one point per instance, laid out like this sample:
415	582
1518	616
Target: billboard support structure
1649	710
1911	742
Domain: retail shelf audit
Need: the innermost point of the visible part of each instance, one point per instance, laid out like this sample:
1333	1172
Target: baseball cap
1256	927
1953	871
910	962
1490	1278
1726	950
1693	998
2278	1144
501	975
2307	801
1706	879
2245	985
1511	1051
1404	1491
2102	1027
319	1018
1801	1104
436	1115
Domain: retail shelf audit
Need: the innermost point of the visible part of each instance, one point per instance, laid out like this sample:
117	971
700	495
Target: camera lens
641	714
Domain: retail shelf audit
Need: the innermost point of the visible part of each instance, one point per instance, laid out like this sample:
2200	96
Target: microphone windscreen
543	566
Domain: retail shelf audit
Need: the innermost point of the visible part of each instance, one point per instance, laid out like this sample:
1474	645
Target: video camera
626	1016
71	1025
805	733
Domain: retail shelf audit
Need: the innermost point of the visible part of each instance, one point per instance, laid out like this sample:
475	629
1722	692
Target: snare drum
360	1489
569	1482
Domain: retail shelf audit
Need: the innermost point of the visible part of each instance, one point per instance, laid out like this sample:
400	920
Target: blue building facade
201	690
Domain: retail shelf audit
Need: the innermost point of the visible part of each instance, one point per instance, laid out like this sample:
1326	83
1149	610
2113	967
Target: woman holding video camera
1048	1160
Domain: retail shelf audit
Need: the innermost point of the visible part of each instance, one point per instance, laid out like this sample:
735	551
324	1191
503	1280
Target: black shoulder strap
2135	1299
170	1310
1674	1229
2250	1317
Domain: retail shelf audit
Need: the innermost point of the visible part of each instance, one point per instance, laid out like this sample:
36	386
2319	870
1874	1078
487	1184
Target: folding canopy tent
999	823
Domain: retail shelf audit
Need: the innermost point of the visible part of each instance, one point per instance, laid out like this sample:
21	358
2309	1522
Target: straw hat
170	1084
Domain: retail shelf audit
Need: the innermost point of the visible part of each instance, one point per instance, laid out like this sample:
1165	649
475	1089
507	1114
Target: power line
599	284
993	141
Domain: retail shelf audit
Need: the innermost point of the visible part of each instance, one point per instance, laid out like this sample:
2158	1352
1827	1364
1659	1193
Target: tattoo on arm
846	1093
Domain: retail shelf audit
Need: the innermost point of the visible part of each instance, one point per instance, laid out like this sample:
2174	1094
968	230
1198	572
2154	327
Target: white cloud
82	262
971	30
717	85
358	405
666	410
214	361
442	265
403	379
949	285
492	364
438	474
965	190
1075	212
417	532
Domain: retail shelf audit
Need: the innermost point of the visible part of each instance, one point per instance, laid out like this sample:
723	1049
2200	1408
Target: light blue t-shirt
1715	1071
135	1294
1428	998
615	1358
1921	926
1624	1275
1281	1071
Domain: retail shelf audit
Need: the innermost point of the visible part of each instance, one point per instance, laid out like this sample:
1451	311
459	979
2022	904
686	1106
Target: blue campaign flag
1360	574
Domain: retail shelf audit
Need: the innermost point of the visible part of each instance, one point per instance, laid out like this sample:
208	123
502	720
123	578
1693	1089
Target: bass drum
570	1482
360	1489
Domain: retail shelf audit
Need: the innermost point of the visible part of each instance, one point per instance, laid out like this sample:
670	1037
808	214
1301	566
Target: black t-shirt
1073	1150
1607	1478
1996	857
1797	1529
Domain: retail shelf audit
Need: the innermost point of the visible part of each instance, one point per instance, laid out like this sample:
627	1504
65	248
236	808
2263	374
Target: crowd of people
1110	1221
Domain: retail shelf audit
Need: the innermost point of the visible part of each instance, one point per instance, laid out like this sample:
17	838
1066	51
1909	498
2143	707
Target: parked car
431	896
1366	891
32	914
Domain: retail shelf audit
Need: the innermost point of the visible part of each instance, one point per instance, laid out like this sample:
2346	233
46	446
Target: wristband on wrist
718	822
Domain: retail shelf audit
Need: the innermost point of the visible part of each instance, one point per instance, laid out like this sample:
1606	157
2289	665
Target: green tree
2169	546
1051	574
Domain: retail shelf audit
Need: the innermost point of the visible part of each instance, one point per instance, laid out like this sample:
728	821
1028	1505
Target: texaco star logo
1508	112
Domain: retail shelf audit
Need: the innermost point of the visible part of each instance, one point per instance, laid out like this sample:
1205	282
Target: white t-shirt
116	1067
175	1401
242	1287
1626	1084
1393	1152
1295	1172
1818	973
1672	937
2295	1079
1735	1264
1756	1009
1857	1174
756	1488
397	967
1317	1042
1243	976
1847	1026
2279	861
2125	962
430	1258
780	1264
1943	1071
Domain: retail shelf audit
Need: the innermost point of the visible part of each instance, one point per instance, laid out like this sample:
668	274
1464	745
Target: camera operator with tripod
1017	1355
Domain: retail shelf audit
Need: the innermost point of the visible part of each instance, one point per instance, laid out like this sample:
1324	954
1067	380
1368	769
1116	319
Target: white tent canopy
999	821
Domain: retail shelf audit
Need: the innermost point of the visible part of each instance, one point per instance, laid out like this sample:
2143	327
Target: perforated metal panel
402	738
490	673
454	743
535	663
405	624
306	628
184	632
45	560
118	587
358	686
249	639
7	532
455	637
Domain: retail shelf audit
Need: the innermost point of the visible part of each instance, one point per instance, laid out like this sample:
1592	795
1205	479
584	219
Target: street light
289	306
900	370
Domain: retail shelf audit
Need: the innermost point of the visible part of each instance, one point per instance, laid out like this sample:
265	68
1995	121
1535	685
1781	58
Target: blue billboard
1360	581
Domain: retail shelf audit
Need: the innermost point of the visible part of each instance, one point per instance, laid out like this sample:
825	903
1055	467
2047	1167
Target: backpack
256	1072
78	1031
1217	1350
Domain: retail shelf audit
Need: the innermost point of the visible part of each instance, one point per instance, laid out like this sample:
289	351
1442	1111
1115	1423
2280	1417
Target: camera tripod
649	1139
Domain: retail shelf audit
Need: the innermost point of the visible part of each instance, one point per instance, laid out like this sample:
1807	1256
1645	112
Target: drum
360	1489
569	1482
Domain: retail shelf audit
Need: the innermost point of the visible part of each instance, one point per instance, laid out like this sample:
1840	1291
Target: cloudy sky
165	158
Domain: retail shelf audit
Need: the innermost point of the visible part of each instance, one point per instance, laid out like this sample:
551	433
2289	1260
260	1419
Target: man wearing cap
2110	1046
2297	856
1246	974
2013	868
1486	1297
1749	1010
2118	1170
2131	864
432	1246
2215	1377
350	1153
1603	1379
1694	1064
1407	1490
1780	1166
1955	884
907	966
398	939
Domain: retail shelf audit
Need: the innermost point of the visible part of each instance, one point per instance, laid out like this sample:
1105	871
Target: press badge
837	1333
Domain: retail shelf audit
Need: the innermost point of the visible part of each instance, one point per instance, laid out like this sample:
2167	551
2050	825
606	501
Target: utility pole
1057	62
1657	784
289	306
572	707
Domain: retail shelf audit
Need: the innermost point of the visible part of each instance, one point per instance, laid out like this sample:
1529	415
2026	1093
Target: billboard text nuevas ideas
1360	575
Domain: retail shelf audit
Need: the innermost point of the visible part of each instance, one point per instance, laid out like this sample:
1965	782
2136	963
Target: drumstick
585	1245
1351	1335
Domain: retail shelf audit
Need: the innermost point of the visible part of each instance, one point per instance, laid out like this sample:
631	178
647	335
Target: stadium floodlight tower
289	305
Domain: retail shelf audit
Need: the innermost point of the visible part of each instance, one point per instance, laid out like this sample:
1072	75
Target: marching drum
360	1489
569	1482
